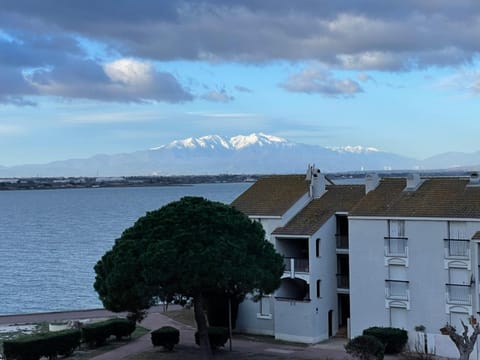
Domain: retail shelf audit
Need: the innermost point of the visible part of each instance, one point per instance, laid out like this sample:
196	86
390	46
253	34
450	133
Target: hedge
97	334
365	347
33	347
218	336
393	339
166	336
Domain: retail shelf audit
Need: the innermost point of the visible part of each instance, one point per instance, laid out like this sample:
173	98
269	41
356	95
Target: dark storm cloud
128	81
32	64
41	42
367	34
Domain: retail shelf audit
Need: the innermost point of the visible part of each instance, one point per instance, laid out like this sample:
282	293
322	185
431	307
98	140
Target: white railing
397	289
459	294
396	246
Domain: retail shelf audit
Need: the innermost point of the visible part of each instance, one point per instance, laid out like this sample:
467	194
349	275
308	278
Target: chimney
317	182
413	182
474	179
371	182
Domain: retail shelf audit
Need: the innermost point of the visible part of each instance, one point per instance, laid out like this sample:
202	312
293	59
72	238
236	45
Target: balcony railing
457	248
397	289
459	294
343	281
342	242
294	265
396	246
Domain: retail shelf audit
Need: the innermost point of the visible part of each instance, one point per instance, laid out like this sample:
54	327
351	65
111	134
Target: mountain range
251	154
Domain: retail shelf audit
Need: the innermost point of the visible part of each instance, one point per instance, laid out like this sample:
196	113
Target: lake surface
51	239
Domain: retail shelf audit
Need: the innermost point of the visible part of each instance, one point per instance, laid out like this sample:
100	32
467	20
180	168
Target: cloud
123	80
364	77
313	80
464	81
217	96
357	35
243	89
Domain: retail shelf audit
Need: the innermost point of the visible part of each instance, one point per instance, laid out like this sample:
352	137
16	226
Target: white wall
426	270
249	321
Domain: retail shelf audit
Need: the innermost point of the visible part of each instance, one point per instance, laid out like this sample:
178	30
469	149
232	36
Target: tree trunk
202	327
463	342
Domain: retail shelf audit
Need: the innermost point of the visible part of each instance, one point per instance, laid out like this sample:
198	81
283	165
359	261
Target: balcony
343	282
397	289
342	242
295	265
457	248
396	246
459	294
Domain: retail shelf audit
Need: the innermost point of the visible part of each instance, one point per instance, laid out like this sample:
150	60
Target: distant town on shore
45	183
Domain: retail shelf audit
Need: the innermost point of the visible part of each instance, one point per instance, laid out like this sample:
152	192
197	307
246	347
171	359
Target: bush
122	327
218	336
365	347
33	347
97	334
166	336
393	339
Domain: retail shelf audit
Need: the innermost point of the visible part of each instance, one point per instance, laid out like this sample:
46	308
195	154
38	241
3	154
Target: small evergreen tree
192	247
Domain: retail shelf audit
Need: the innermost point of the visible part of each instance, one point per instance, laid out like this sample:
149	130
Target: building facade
399	252
417	242
305	217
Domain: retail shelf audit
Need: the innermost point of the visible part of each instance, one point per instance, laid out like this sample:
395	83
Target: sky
78	79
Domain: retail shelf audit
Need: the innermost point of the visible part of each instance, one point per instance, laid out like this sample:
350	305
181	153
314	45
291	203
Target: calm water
51	239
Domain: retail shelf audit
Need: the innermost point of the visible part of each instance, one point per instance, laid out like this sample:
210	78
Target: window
265	308
456	319
398	317
318	288
457	244
396	228
317	247
396	242
397	284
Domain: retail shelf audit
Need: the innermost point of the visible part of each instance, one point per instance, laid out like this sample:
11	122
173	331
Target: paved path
247	346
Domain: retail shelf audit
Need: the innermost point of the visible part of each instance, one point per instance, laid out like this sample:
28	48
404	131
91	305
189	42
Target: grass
184	316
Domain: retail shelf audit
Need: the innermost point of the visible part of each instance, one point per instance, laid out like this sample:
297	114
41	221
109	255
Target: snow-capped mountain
353	149
256	153
218	142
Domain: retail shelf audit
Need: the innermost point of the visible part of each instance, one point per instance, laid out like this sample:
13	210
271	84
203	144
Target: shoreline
54	316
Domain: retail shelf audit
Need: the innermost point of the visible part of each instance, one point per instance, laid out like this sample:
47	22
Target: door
330	323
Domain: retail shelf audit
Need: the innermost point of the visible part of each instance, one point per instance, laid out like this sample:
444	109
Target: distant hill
251	154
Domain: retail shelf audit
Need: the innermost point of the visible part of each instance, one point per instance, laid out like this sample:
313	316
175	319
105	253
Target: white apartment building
399	252
306	220
414	256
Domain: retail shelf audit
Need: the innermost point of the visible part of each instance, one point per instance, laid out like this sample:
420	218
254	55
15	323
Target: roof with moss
272	195
337	198
435	197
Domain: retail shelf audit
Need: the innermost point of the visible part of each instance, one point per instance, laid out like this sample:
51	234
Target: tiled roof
272	195
338	198
435	197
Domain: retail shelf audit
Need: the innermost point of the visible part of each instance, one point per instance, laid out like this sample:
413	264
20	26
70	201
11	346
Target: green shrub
33	347
97	334
393	339
166	336
218	336
365	347
122	327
